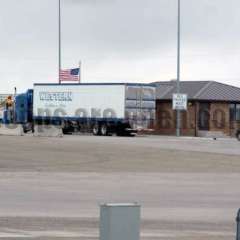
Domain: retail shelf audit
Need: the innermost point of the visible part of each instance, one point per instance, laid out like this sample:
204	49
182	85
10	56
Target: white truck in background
1	113
103	108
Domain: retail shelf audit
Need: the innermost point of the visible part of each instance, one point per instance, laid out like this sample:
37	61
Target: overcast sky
119	40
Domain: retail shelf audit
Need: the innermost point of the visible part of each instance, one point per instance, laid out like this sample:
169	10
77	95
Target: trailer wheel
104	130
96	130
238	135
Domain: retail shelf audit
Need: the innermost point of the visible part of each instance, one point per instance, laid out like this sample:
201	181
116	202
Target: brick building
213	109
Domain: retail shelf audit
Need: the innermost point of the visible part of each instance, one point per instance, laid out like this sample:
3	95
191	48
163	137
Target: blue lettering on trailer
56	96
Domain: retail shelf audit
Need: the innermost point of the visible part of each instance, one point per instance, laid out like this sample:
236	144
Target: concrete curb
11	130
47	131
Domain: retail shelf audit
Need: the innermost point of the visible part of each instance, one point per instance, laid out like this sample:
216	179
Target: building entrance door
204	117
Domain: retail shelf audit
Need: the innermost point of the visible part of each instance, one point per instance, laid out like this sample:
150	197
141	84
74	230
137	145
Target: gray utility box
120	222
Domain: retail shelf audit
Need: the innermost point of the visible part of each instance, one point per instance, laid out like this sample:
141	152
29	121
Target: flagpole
60	42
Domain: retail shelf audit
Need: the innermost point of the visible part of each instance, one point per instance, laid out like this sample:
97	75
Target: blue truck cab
21	111
24	107
24	110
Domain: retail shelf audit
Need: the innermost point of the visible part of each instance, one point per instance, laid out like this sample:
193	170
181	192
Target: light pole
178	120
59	42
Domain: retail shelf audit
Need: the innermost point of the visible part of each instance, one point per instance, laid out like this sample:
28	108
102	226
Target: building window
238	112
234	112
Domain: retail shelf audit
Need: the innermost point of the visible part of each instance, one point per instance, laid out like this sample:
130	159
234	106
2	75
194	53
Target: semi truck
102	108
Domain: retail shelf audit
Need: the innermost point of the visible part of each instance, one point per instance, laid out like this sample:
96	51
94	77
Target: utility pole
178	120
59	42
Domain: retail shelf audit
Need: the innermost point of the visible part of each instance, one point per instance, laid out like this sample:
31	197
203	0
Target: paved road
51	188
112	154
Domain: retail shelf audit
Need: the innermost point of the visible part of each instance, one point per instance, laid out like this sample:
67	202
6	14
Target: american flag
70	75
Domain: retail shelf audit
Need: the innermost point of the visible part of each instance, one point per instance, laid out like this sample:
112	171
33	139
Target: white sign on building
180	101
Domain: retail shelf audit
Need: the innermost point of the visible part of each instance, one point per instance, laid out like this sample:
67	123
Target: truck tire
104	130
96	130
238	135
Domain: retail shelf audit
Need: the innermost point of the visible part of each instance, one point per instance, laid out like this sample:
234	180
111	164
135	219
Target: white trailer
104	108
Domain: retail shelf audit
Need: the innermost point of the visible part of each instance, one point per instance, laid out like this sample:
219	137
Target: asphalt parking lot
51	188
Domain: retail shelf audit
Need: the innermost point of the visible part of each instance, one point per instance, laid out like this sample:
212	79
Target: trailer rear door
141	105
